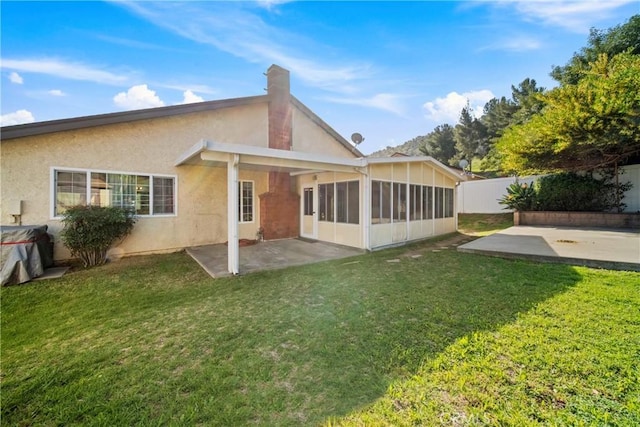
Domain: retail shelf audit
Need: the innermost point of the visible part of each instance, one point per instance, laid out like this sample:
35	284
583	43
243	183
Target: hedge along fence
89	231
482	196
568	192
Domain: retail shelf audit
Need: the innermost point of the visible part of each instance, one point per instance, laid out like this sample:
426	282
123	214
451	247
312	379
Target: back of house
193	173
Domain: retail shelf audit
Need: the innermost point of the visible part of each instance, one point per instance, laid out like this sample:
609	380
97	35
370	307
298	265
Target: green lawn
483	224
444	338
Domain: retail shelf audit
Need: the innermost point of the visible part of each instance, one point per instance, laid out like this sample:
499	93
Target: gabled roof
75	123
39	128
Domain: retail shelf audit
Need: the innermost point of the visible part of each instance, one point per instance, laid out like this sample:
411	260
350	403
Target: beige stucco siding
311	138
145	147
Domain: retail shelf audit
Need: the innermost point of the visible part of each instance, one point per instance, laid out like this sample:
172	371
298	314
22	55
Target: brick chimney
280	206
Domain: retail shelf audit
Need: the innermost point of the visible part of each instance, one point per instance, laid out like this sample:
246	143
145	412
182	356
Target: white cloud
447	109
190	97
16	78
577	16
65	70
56	92
382	101
138	97
234	28
514	44
17	118
270	4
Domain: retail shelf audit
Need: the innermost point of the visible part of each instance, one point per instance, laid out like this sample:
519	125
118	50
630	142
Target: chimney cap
277	68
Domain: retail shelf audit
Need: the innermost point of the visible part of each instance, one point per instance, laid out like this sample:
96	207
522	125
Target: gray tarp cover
25	253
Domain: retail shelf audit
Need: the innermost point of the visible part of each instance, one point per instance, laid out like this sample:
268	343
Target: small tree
89	231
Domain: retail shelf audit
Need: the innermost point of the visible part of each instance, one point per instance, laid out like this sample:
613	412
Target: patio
269	255
613	249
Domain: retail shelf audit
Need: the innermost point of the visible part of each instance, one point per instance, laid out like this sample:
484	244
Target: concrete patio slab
269	255
612	249
52	273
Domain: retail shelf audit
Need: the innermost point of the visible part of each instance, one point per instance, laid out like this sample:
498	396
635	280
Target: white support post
233	245
433	201
366	207
408	204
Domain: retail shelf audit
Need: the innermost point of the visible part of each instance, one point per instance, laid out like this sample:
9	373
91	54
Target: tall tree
497	116
440	143
526	97
501	113
592	124
621	38
470	137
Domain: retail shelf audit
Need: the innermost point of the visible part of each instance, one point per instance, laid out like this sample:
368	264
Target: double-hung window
144	194
245	205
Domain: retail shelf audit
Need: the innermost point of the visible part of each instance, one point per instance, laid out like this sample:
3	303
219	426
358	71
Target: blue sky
389	70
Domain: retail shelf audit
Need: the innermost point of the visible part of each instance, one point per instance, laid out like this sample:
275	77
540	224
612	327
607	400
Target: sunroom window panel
376	202
415	199
399	201
385	195
427	202
341	202
448	195
326	201
353	202
439	202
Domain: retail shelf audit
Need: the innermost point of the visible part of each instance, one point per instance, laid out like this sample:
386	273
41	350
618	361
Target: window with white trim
144	194
389	202
245	202
344	197
444	202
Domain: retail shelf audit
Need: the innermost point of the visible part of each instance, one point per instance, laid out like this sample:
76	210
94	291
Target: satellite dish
357	138
463	164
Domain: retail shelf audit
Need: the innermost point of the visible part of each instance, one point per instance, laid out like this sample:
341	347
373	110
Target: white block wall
482	196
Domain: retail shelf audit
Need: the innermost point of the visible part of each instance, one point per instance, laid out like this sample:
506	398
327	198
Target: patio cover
259	158
295	162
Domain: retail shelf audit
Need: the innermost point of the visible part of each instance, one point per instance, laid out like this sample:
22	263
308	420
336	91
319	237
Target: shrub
89	231
520	197
569	191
